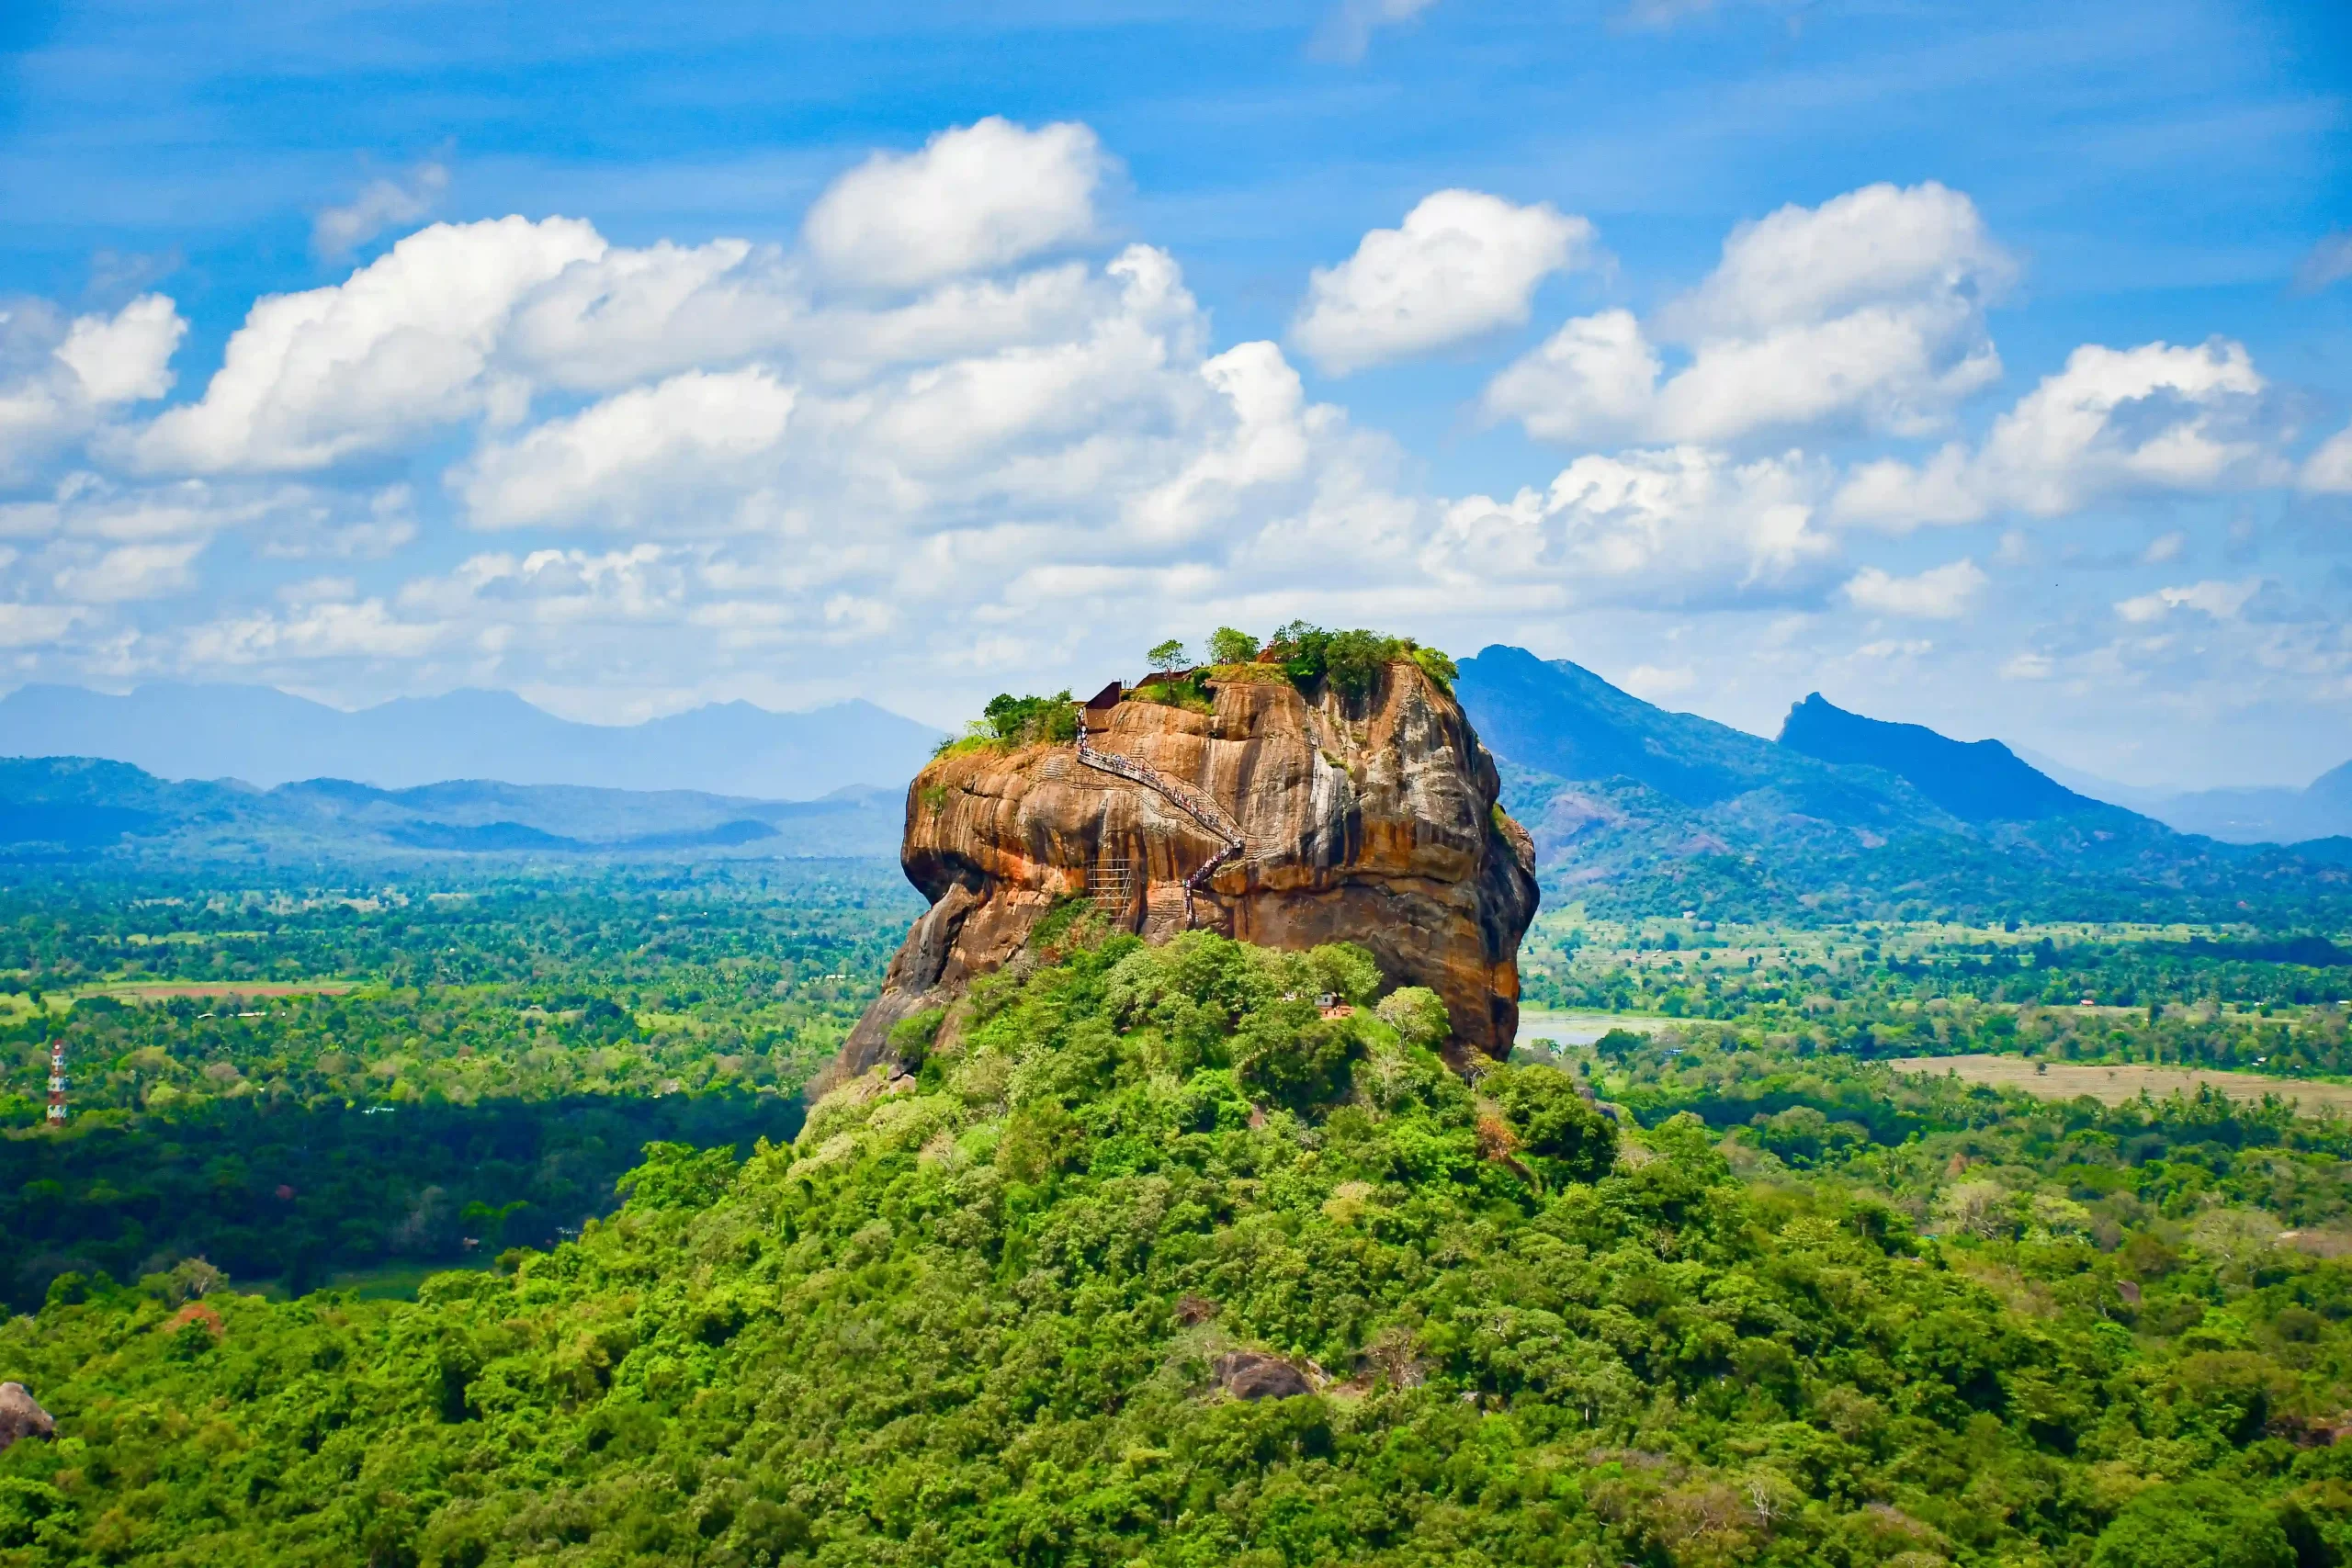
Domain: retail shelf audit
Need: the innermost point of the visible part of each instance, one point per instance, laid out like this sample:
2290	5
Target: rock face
1296	819
21	1417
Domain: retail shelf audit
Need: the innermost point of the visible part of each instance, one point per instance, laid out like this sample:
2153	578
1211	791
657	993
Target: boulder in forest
1252	1375
21	1418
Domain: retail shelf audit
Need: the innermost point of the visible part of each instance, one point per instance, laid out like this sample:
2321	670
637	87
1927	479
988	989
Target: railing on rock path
1199	806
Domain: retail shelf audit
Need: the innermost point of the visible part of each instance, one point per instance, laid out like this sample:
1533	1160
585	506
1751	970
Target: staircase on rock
1196	803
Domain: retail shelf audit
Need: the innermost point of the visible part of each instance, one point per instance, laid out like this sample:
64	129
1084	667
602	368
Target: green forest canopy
1001	1316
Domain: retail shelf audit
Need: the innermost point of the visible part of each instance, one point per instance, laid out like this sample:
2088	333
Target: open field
165	990
394	1281
2112	1086
55	1002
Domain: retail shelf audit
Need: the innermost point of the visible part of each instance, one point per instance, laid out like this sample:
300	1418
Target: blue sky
1976	365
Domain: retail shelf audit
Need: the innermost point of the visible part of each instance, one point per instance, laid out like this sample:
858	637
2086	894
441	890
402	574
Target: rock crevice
1370	820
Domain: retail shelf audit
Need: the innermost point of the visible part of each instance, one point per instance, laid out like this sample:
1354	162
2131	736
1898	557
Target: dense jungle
481	1219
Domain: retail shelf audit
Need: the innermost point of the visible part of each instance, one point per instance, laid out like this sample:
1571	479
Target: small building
1095	713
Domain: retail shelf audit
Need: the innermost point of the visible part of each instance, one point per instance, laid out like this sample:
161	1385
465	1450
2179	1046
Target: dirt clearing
2112	1086
164	990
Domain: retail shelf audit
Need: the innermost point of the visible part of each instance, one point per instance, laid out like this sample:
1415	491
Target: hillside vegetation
1149	1262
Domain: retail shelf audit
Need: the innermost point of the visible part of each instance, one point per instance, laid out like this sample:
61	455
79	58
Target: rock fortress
1282	816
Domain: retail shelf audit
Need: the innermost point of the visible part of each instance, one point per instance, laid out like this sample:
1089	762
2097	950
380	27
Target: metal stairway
1195	804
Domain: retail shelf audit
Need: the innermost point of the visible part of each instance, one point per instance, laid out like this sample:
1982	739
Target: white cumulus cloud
621	315
132	572
26	625
2222	601
1462	264
1680	526
309	636
650	449
974	199
403	345
2328	471
717	468
61	381
2113	421
1867	310
125	358
1940	594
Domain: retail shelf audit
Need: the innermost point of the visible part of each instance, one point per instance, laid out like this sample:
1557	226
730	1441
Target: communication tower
57	1081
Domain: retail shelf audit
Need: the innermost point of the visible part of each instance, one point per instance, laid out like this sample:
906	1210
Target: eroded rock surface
1371	821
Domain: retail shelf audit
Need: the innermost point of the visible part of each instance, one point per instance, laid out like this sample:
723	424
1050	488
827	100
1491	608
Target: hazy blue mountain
1976	781
2257	816
1560	719
72	807
268	736
1636	808
2131	797
2272	814
1564	720
2321	809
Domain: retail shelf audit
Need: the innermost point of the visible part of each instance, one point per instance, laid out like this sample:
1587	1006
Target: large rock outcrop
21	1417
1326	818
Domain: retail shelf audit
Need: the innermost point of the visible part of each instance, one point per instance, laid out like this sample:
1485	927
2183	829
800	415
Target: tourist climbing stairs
1196	803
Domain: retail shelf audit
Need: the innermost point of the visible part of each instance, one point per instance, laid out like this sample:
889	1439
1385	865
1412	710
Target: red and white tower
57	1081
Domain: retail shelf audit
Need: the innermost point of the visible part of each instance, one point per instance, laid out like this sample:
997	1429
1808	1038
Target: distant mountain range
2257	816
264	737
1629	804
1842	811
72	807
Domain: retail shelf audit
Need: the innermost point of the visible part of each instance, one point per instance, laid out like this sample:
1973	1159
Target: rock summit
1282	816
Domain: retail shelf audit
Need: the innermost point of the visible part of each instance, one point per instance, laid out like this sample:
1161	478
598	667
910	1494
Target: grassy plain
2115	1085
388	1282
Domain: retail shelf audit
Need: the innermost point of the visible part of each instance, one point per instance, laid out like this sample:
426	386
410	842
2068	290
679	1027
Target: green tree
1027	720
1418	1014
1227	646
1554	1122
1355	658
1346	970
1617	1044
1167	657
2200	1523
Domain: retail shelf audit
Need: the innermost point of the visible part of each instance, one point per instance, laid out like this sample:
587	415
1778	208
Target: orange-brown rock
1371	821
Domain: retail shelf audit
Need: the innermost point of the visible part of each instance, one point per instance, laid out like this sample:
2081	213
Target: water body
1578	1028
